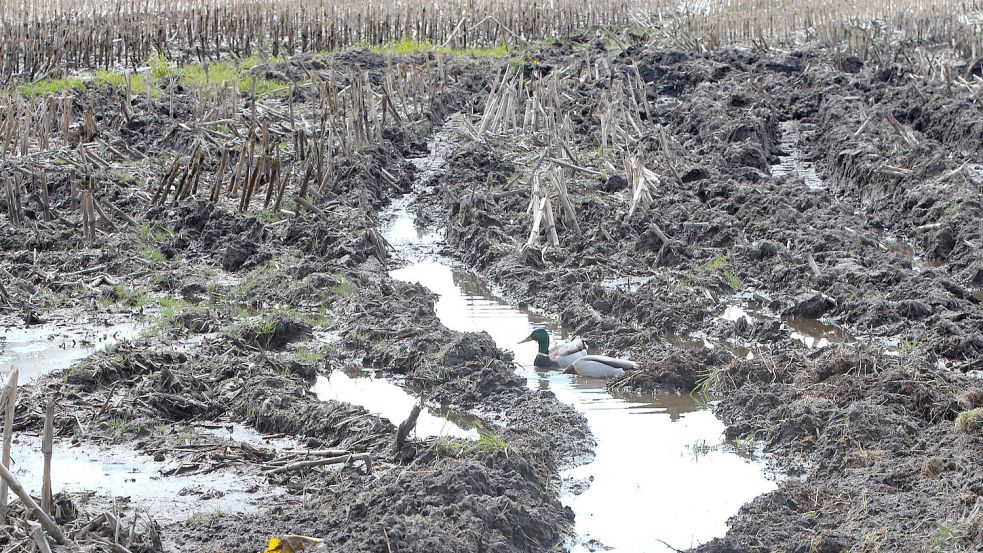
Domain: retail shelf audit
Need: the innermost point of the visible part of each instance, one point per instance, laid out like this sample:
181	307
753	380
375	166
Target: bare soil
886	248
866	426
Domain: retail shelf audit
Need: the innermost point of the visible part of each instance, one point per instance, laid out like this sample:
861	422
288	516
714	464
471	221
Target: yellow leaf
292	544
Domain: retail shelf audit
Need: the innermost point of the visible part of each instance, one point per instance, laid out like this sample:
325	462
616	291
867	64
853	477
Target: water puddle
699	340
974	172
405	236
240	433
813	333
383	398
794	163
120	472
648	446
39	350
645	443
902	247
387	400
630	284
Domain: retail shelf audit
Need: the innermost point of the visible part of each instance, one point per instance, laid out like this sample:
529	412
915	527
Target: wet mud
782	267
805	285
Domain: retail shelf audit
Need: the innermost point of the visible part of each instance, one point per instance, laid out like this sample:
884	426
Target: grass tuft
706	380
733	280
488	441
944	537
408	47
119	425
344	288
46	87
308	355
971	421
718	262
446	446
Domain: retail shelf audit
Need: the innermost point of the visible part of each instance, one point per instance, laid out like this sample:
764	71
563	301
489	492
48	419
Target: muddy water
661	473
122	472
38	350
794	163
904	248
385	399
813	333
239	433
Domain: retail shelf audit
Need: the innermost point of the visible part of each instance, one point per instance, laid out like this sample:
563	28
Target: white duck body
565	354
601	366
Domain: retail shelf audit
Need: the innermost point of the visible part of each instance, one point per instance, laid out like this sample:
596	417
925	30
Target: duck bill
528	339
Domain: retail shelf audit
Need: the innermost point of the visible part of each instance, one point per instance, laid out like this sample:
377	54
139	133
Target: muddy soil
785	192
240	313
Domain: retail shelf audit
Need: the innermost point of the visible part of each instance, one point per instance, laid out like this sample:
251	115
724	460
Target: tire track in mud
648	445
861	427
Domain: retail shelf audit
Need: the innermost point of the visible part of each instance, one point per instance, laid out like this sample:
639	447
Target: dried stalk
10	394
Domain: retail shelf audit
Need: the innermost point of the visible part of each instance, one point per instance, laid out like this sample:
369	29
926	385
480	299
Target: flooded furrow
387	400
661	473
793	163
39	350
812	333
166	491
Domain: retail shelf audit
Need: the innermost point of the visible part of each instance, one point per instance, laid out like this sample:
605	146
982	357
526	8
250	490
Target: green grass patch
407	47
119	425
272	329
488	441
733	280
46	87
178	313
149	238
264	215
706	380
149	82
158	66
152	254
171	307
261	330
228	71
256	282
120	294
102	77
971	421
446	446
718	262
308	355
153	233
112	78
944	537
344	288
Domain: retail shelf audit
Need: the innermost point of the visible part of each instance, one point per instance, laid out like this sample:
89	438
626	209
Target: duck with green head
559	356
574	359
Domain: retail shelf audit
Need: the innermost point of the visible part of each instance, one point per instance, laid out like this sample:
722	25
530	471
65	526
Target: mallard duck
601	366
560	356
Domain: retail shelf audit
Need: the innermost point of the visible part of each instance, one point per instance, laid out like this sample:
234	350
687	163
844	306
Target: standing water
385	399
661	475
794	163
38	350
